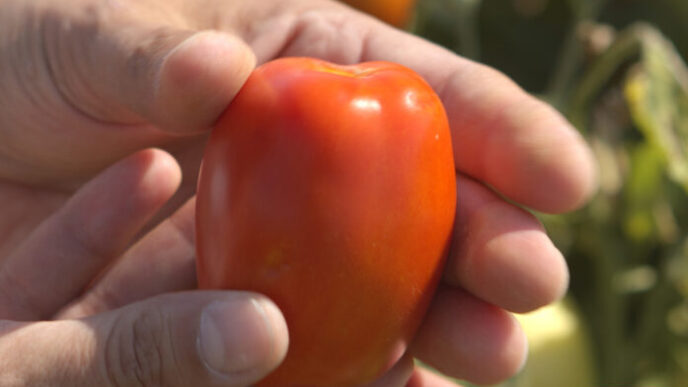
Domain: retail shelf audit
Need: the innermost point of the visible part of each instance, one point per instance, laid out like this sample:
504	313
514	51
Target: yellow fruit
560	352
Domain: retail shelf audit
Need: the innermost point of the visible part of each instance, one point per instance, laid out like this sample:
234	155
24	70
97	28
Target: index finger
501	135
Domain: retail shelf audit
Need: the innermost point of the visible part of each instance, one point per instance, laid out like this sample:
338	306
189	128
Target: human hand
87	82
181	339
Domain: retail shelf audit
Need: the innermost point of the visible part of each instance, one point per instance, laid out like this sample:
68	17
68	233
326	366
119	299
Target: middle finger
502	253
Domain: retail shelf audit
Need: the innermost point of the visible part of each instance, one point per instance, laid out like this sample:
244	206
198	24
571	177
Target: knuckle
138	351
331	34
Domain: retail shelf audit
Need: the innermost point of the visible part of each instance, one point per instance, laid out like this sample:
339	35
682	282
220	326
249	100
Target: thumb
195	81
124	68
186	339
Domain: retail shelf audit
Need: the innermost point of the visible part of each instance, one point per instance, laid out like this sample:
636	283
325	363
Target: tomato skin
394	12
330	189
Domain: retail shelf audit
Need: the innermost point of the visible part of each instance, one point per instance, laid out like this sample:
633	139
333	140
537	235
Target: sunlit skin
331	189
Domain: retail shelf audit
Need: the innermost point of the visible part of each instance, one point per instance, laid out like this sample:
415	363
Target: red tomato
394	12
331	190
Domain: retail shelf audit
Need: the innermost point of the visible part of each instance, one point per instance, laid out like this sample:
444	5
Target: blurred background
616	69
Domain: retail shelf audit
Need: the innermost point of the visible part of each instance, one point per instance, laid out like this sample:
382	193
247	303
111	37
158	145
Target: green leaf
657	94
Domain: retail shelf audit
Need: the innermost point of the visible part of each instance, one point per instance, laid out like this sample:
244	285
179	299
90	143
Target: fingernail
238	335
188	41
223	50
